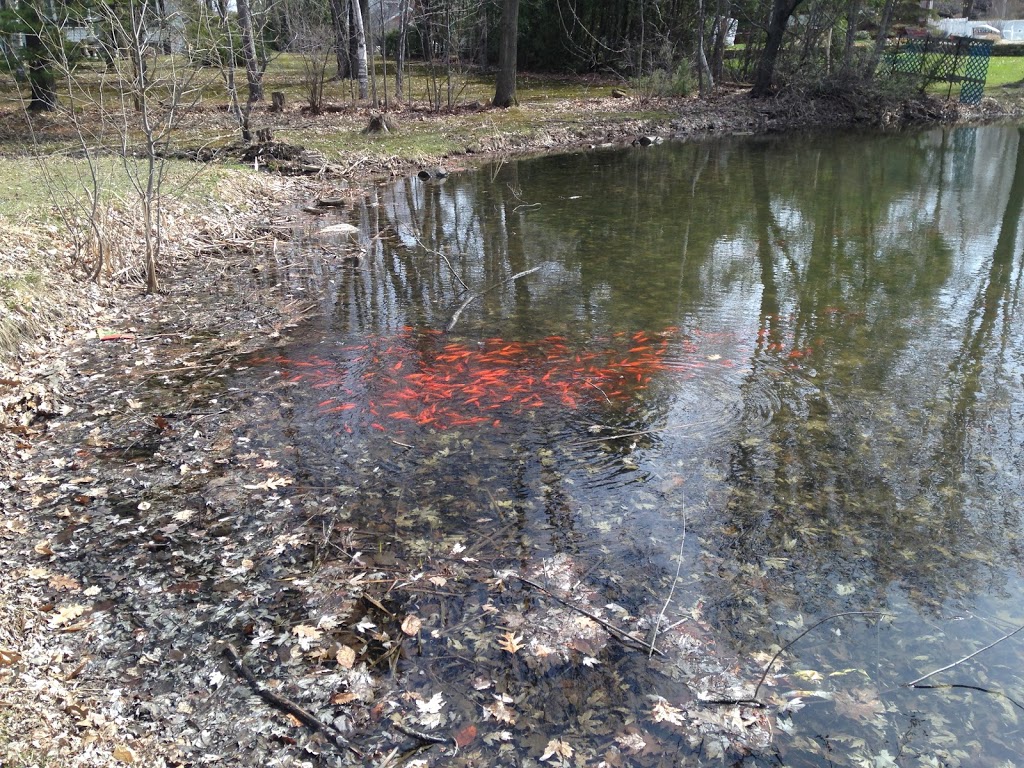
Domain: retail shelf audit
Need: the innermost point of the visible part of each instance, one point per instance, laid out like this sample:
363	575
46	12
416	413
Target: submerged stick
618	634
991	691
286	706
475	296
668	600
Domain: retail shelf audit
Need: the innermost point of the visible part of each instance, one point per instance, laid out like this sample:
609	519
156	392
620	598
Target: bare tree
131	116
403	29
339	21
359	33
254	65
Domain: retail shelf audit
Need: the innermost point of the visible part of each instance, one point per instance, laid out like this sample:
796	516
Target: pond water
749	385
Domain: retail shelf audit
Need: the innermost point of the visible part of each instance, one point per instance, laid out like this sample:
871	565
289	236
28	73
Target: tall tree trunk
371	48
505	86
403	21
718	49
852	15
253	66
339	21
383	55
706	81
41	81
880	38
359	33
764	74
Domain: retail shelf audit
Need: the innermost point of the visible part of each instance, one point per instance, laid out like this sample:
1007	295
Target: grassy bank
48	246
47	242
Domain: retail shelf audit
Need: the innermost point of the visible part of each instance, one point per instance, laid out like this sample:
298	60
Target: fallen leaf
346	657
66	614
411	625
464	736
663	712
343	698
9	657
307	635
861	704
510	642
124	754
43	548
557	749
60	582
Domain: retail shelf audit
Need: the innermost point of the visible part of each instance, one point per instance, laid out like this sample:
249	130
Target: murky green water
752	384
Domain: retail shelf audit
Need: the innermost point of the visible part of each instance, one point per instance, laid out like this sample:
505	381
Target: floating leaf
272	483
431	706
500	710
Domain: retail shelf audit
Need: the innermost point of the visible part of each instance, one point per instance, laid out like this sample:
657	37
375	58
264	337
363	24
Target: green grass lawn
1004	70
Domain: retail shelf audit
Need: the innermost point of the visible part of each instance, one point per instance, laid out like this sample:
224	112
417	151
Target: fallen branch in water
286	706
914	683
992	691
475	296
623	637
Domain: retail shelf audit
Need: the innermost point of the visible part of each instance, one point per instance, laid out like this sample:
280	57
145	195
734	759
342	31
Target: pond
651	433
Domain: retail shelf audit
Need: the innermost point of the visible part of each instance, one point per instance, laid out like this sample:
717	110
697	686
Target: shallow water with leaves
736	460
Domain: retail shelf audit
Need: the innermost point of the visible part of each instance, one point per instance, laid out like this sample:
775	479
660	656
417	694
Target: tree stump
380	124
277	101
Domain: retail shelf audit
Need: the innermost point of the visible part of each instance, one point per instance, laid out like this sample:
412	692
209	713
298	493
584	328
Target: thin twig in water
679	566
475	296
589	383
913	683
440	254
807	631
421	735
638	433
623	637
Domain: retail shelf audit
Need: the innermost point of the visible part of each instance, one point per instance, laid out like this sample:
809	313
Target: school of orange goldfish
421	377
